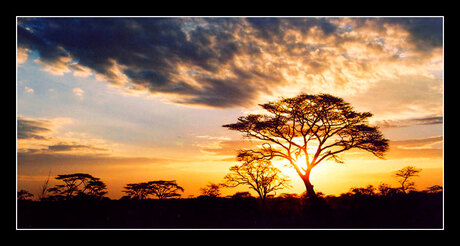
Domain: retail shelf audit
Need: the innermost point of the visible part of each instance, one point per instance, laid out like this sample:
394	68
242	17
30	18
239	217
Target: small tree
160	188
404	175
434	189
211	190
259	174
138	191
78	185
387	190
165	189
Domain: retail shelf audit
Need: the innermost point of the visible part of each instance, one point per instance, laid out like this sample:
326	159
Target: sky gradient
138	99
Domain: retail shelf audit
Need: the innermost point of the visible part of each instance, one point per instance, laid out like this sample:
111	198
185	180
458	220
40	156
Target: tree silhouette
242	194
404	175
160	188
307	129
78	185
24	195
387	190
434	189
211	190
366	191
259	174
165	189
138	191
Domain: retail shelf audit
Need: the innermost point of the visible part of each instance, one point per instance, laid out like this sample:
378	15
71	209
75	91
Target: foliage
242	194
434	189
79	185
366	191
211	190
24	195
160	188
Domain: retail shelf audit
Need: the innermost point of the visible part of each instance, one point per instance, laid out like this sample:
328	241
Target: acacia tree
259	174
78	185
165	189
160	188
138	191
307	129
404	175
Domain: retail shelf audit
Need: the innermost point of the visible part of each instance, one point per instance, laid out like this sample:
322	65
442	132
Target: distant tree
242	194
160	188
289	195
78	185
258	174
211	190
324	122
165	189
24	195
138	191
367	191
386	190
404	175
434	189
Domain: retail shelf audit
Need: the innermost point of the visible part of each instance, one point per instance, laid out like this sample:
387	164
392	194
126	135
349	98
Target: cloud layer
230	62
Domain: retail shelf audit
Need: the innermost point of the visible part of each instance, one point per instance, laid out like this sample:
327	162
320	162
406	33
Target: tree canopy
78	185
160	188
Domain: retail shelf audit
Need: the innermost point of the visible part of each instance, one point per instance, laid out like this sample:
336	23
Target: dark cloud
31	129
151	51
426	32
71	147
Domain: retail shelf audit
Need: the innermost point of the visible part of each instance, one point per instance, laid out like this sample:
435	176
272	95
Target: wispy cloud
32	129
410	122
41	136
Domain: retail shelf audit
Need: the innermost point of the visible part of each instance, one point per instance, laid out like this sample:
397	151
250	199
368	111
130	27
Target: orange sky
145	99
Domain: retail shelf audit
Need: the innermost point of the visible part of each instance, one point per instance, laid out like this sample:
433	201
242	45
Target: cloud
70	147
410	122
234	62
29	90
32	129
42	136
414	99
430	147
78	92
22	55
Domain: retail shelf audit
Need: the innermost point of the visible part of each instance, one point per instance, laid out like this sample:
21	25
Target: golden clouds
233	62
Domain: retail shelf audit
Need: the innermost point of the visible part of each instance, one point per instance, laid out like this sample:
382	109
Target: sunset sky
139	99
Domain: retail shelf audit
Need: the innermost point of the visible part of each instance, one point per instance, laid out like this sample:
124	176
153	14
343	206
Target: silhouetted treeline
351	210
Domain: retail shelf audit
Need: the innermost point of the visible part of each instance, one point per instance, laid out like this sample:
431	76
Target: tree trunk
309	187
